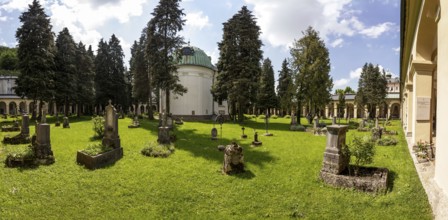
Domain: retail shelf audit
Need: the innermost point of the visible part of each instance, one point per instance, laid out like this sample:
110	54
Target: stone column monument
335	160
164	130
111	137
42	146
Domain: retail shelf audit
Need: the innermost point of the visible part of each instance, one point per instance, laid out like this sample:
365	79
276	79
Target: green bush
95	149
387	141
297	128
98	126
262	117
153	149
287	116
24	154
274	116
363	151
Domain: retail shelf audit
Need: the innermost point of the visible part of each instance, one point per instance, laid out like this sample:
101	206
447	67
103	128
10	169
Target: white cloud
229	4
283	21
355	74
3	18
378	30
341	82
3	43
396	50
337	43
20	5
197	20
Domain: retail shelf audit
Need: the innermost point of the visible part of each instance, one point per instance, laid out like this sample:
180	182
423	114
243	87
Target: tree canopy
164	44
239	62
311	66
285	88
372	87
36	51
267	98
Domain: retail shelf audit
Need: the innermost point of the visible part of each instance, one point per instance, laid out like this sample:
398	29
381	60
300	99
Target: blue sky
354	31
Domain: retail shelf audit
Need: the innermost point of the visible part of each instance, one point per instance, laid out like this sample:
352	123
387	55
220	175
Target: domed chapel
197	73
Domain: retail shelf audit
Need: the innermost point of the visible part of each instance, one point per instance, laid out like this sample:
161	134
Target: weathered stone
24	136
42	146
214	134
373	180
233	159
101	160
334	149
65	123
135	123
256	142
244	136
333	121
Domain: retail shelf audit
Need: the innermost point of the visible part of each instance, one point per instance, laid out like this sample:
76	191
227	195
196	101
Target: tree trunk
167	99
240	112
299	112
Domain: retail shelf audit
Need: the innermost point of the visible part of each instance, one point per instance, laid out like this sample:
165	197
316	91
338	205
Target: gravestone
65	122
266	119
58	123
25	130
214	134
24	136
376	122
164	130
316	122
135	123
335	160
333	121
178	121
256	142
243	135
42	144
293	119
111	137
233	158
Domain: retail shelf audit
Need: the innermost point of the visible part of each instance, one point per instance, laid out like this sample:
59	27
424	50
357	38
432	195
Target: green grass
281	179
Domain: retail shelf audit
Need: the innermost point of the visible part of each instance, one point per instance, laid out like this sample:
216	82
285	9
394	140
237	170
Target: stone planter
371	179
100	160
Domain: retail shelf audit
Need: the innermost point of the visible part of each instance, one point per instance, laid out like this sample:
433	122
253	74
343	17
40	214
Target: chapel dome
195	56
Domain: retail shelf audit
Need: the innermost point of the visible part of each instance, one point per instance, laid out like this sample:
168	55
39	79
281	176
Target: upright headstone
316	122
214	134
25	130
335	160
164	130
376	122
42	146
111	137
333	120
243	135
256	142
65	122
57	123
293	119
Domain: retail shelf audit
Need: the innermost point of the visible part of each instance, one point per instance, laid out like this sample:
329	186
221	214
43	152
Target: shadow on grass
390	180
247	174
201	145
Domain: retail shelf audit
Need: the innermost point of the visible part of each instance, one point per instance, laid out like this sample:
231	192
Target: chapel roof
192	55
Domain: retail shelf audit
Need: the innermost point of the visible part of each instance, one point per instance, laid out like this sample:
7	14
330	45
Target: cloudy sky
354	31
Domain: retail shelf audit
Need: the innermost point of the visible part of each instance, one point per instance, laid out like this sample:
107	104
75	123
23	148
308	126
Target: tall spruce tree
65	76
164	28
285	88
139	69
110	73
35	52
267	98
151	58
84	77
311	66
239	63
372	88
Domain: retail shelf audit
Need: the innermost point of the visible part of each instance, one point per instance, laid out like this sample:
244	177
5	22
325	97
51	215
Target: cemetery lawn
281	180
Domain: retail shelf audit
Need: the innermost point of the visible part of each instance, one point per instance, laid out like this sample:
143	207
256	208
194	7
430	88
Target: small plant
21	154
363	150
98	126
153	149
287	116
387	141
297	128
95	149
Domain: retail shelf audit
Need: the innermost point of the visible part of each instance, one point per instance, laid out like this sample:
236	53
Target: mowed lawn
281	180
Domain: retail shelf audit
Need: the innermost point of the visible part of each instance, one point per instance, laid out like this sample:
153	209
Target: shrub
262	117
387	141
274	116
287	116
23	154
363	150
98	126
95	149
297	128
153	149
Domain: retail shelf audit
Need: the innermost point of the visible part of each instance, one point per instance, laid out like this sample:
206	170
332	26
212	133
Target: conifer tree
84	77
311	66
65	79
35	53
372	87
267	98
164	28
239	63
285	88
